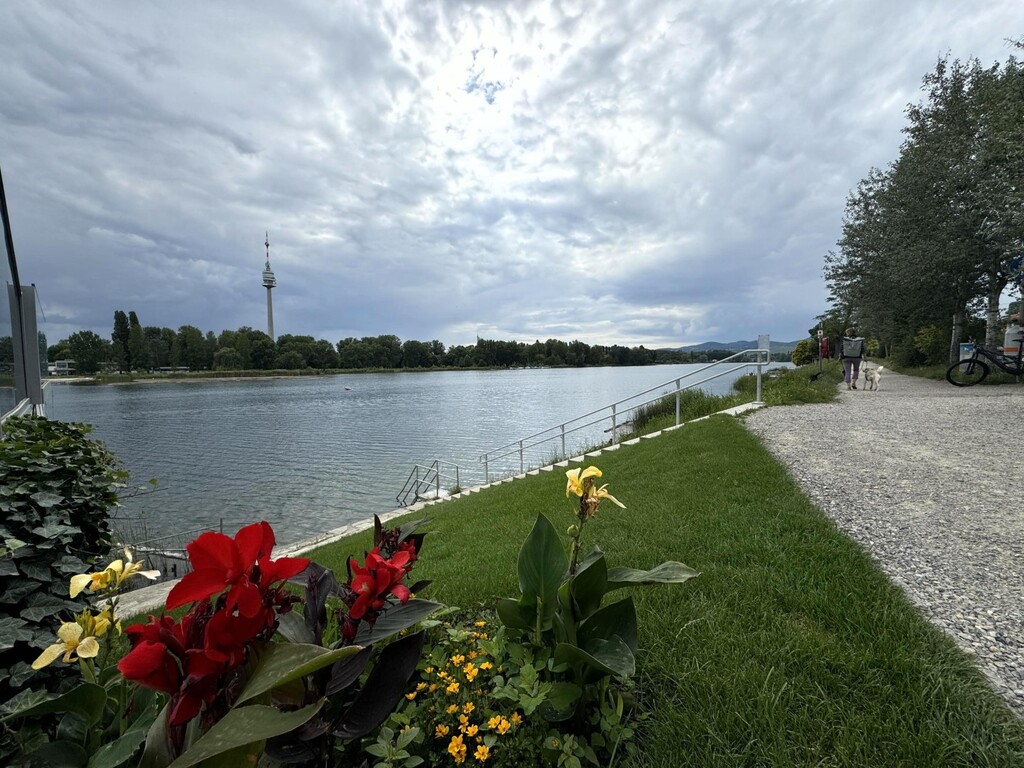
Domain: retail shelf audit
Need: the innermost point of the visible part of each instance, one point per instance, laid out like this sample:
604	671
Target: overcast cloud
645	172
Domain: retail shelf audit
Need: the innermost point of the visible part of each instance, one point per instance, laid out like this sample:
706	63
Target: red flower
374	582
152	665
242	565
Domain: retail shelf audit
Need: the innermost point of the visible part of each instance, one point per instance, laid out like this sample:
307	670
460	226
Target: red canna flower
241	564
375	581
152	665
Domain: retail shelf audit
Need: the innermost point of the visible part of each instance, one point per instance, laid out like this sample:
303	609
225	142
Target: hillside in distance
736	346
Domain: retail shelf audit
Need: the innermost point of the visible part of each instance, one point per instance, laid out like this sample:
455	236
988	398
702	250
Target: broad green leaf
542	563
515	615
292	626
669	572
156	753
283	662
242	726
12	630
394	620
617	619
86	700
60	754
123	748
589	585
562	700
610	657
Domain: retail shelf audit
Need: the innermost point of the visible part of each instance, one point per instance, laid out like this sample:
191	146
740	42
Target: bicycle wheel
966	373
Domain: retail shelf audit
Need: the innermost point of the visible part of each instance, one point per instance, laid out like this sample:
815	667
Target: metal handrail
431	480
520	446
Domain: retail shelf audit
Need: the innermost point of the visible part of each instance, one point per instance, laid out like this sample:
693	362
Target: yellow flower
420	686
457	660
487	665
114	575
504	725
94	582
429	670
469	707
472	655
516	718
471	731
494	722
577	477
453	687
433	687
457	749
411	696
482	753
71	642
452	709
441	731
471	672
602	494
480	624
463	722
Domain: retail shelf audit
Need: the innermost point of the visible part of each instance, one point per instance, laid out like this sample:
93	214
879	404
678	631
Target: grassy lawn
791	648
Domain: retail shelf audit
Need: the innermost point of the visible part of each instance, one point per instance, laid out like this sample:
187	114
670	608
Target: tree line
930	243
134	347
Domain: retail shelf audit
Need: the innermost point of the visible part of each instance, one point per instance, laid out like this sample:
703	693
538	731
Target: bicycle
971	371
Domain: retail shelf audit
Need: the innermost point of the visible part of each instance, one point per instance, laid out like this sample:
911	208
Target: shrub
804	352
57	488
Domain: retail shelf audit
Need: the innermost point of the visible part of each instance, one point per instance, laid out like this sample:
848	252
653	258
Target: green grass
938	372
790	649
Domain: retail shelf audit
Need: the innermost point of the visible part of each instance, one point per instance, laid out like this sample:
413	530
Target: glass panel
6	345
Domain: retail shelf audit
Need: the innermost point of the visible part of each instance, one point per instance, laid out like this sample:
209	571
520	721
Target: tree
227	359
88	350
189	348
804	352
138	346
120	341
290	360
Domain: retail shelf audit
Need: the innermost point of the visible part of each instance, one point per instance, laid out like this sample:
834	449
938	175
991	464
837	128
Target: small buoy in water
348	389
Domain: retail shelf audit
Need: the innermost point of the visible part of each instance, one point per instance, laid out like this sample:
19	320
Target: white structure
269	282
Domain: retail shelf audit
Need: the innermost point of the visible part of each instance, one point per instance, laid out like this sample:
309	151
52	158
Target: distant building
61	368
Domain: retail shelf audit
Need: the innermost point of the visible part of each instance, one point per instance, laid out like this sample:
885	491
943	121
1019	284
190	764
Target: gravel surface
928	478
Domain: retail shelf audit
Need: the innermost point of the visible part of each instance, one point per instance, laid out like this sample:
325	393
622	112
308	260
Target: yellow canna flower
602	494
576	478
71	642
131	568
94	582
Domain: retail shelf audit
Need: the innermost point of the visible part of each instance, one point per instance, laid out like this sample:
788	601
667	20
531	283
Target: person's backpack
853	347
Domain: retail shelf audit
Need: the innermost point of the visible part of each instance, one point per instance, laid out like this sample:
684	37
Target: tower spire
269	282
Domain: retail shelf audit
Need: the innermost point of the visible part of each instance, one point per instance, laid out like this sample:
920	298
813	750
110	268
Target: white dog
873	378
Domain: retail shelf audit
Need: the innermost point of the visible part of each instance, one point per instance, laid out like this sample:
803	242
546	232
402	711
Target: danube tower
269	281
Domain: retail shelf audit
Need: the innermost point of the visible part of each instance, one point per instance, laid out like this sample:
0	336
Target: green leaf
515	615
156	753
122	749
7	567
610	657
292	626
669	572
394	620
47	499
60	754
615	620
12	630
42	605
86	700
542	563
562	700
589	584
405	738
242	726
283	662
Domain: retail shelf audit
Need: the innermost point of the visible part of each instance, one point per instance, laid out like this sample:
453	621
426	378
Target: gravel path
930	480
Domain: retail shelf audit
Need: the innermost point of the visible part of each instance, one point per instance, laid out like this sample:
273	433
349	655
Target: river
311	454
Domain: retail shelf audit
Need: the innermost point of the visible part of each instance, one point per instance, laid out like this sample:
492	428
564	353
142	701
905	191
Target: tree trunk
958	331
992	315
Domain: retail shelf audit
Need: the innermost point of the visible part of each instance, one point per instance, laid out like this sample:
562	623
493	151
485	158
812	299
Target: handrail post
564	454
615	431
457	483
437	485
763	344
678	398
522	465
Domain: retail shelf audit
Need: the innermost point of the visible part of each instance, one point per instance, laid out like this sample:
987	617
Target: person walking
851	350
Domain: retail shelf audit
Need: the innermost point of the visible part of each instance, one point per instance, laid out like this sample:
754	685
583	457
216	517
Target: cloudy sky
634	172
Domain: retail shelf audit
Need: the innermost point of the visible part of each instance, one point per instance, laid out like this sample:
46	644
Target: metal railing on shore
616	415
426	480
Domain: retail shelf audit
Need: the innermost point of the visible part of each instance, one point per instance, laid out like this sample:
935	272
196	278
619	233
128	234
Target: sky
622	172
